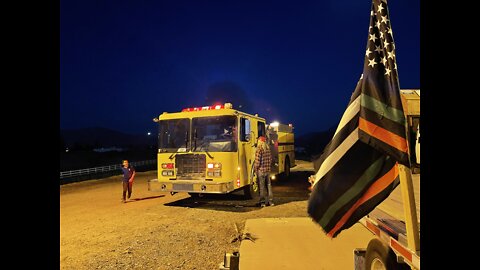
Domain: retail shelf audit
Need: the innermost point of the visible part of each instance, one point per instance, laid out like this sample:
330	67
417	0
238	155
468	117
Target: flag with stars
359	167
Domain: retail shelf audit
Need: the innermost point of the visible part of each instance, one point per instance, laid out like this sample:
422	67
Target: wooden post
411	221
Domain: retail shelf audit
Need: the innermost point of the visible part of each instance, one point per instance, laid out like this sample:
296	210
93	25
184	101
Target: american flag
359	167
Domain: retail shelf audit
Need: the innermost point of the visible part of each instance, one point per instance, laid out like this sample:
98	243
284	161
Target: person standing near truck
128	176
263	160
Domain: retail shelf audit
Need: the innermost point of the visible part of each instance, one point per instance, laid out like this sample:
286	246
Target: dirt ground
155	230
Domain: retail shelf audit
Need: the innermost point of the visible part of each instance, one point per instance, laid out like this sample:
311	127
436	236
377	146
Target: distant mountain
96	137
315	142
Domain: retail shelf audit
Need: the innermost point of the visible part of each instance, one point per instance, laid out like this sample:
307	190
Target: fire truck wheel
286	171
194	195
287	167
380	256
249	192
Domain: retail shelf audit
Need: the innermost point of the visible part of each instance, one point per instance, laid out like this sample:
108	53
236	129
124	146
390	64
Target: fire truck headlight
167	173
210	165
218	165
210	174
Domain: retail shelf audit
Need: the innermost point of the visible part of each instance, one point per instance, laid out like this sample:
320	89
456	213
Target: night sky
122	63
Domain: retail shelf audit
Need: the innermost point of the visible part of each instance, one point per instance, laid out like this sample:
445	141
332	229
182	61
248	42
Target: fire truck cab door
247	151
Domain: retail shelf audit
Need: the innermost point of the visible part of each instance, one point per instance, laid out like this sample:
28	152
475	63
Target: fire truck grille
190	166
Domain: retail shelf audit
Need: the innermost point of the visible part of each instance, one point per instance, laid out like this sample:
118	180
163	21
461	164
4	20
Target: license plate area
183	187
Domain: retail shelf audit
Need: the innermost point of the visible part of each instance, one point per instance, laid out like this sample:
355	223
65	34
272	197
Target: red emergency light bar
205	108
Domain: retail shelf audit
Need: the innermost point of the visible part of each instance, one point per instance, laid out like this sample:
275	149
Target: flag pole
411	221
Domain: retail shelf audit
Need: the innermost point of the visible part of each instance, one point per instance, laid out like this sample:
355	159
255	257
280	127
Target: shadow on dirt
144	198
293	189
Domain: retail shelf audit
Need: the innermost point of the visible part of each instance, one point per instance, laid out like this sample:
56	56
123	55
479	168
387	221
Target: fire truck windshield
214	134
174	135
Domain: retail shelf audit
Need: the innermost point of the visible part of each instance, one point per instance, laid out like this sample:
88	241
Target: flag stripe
388	163
337	140
377	187
384	135
367	177
383	109
335	156
349	113
387	124
389	95
402	157
368	206
341	178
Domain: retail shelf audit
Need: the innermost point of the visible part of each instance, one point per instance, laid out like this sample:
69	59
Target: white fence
104	169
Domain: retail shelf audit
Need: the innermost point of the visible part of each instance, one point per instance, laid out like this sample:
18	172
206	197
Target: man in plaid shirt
263	161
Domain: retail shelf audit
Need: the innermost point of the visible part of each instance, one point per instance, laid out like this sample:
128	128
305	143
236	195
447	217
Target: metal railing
109	168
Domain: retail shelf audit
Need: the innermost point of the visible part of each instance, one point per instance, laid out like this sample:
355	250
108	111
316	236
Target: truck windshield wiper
186	145
206	149
205	143
173	154
204	146
195	140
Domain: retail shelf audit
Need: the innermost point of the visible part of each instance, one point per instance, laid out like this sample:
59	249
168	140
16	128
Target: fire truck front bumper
191	186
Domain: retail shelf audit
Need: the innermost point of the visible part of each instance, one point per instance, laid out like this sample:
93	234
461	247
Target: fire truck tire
194	195
286	171
380	256
249	192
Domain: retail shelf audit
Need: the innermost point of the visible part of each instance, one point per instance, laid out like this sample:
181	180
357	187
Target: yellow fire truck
281	142
211	149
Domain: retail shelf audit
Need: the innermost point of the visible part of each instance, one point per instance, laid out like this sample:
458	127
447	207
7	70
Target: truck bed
389	216
393	205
